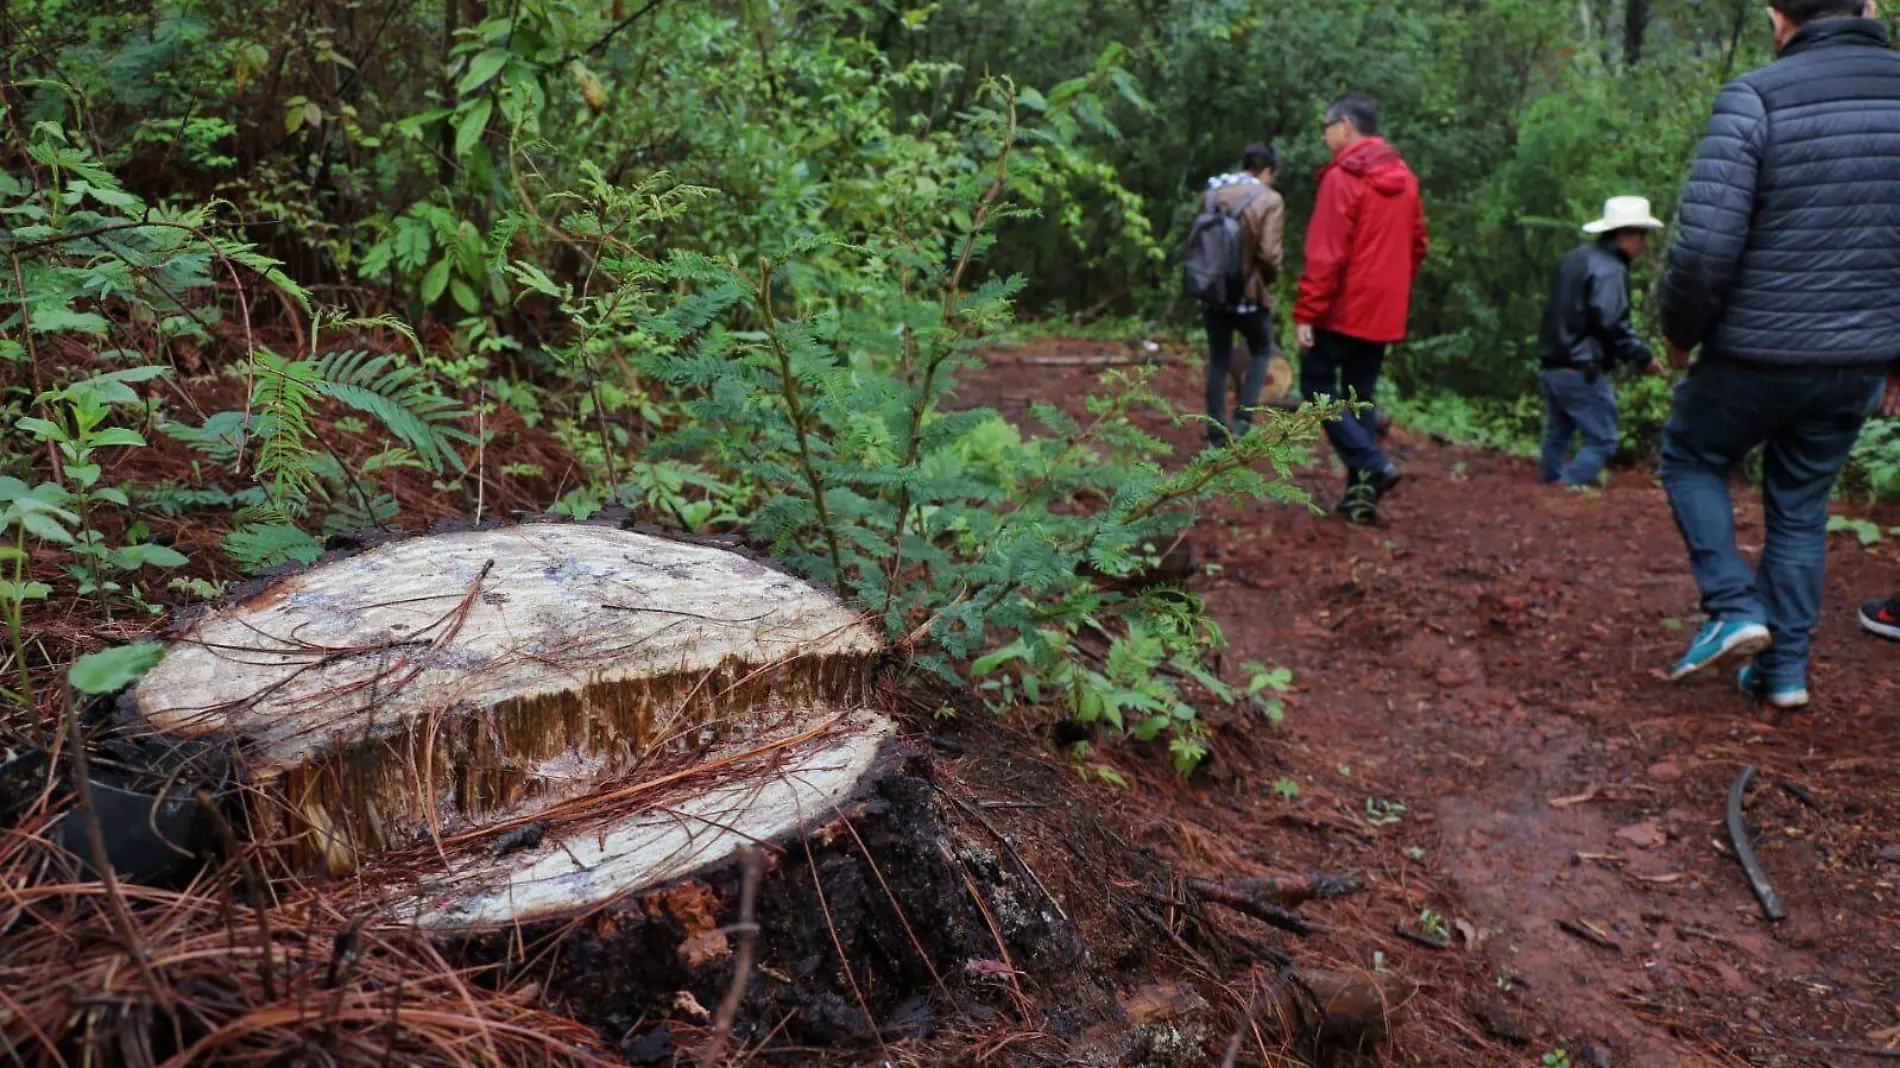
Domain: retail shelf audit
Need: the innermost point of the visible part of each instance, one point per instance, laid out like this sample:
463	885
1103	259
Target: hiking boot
1384	482
1722	639
1360	505
1882	618
1782	696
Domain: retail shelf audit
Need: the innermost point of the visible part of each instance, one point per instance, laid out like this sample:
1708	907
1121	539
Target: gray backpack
1211	272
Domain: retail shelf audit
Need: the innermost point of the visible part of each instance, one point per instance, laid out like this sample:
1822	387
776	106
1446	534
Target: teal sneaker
1784	697
1722	640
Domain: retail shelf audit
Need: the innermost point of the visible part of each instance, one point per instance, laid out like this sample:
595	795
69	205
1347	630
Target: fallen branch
1738	834
1799	793
1429	941
1589	933
1850	1048
747	928
1292	891
1264	911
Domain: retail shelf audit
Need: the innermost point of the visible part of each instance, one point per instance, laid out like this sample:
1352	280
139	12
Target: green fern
293	470
400	398
269	543
284	396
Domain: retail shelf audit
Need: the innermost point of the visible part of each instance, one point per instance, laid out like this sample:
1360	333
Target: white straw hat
1624	213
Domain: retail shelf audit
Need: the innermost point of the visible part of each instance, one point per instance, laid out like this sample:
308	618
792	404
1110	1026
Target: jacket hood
1379	164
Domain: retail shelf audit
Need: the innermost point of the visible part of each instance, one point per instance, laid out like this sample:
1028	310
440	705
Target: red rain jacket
1364	245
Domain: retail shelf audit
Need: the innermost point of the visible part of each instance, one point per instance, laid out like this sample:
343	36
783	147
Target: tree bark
1635	29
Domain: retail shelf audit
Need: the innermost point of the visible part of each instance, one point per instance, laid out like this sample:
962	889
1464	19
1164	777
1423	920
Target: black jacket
1587	321
1789	251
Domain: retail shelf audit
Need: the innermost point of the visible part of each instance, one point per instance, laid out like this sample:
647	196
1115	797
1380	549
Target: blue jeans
1806	420
1257	329
1577	402
1344	368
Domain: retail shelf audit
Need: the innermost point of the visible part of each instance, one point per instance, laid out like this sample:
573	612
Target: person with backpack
1234	255
1587	332
1364	247
1783	275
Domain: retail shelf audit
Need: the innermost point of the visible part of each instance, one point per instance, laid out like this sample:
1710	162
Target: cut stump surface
434	686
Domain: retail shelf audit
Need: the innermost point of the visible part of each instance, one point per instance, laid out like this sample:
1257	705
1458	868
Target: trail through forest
1480	718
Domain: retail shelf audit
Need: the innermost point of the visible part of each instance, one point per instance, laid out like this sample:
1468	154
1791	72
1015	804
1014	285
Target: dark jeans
1344	367
1806	421
1577	401
1257	328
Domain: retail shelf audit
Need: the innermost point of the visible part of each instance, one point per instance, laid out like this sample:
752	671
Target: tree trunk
1635	29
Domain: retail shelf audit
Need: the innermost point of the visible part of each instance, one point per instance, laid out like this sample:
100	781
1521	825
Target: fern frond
258	546
400	398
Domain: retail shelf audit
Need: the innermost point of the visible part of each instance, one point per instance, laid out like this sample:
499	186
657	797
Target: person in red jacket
1363	248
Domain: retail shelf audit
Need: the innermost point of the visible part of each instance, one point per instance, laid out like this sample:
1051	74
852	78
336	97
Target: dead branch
1590	933
1429	941
751	865
1292	891
1264	911
1771	906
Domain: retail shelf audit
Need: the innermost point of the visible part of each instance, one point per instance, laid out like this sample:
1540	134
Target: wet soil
1481	724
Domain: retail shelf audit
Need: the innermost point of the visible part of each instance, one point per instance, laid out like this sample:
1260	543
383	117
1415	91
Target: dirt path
1489	660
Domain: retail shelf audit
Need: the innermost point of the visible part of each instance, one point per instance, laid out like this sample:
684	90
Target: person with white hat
1587	332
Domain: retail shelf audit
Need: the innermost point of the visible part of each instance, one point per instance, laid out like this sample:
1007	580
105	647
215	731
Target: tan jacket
1263	226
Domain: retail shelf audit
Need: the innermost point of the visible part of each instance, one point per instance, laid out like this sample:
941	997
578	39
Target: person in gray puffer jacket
1785	274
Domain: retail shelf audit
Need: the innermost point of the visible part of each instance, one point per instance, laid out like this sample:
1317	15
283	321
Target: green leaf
112	670
13	592
534	278
469	128
435	281
40	428
985	665
66	320
133	557
480	69
118	436
464	296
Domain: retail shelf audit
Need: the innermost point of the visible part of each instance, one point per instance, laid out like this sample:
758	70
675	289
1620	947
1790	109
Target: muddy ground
1481	725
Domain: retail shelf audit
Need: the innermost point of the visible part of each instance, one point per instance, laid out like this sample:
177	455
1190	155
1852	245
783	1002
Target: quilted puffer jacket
1789	249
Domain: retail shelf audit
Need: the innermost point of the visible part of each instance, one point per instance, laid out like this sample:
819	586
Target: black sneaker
1360	505
1882	618
1384	482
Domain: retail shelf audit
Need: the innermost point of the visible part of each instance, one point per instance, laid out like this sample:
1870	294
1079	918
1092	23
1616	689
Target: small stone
1645	835
1890	854
1666	771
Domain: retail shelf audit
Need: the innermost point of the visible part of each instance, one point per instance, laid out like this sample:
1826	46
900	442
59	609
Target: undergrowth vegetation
272	273
276	277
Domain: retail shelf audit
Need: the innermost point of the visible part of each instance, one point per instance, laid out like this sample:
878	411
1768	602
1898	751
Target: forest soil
1490	658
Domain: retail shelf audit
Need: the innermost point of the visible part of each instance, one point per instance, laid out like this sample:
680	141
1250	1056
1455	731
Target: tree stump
548	743
442	684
